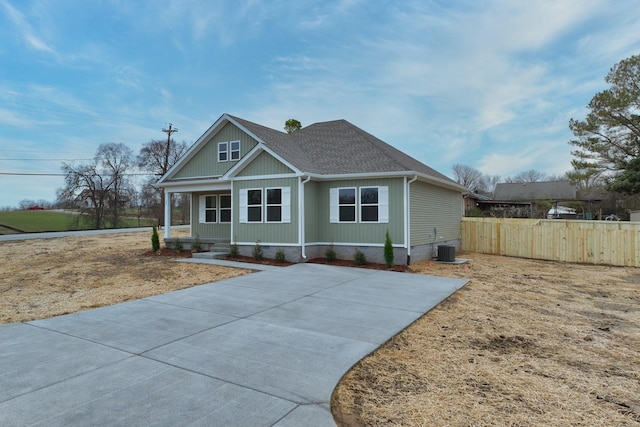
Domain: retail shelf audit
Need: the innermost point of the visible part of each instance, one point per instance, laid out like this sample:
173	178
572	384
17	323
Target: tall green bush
388	250
155	240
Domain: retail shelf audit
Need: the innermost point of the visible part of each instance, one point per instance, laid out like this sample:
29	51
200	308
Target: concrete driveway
265	349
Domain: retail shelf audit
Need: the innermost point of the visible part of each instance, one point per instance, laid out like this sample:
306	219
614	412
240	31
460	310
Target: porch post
167	214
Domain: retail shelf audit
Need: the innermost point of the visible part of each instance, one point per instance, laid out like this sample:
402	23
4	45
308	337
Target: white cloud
26	31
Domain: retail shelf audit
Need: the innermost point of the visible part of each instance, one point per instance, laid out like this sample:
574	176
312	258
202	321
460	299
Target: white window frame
234	153
248	206
285	204
383	205
220	208
225	151
202	207
363	205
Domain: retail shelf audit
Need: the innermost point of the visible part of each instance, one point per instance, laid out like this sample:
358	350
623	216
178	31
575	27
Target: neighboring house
329	183
519	199
531	191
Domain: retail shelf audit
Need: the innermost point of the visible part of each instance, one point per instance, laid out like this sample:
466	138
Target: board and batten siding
266	232
358	232
205	162
435	214
204	230
264	164
311	214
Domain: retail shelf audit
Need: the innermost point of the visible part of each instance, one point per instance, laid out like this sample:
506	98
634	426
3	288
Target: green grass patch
39	221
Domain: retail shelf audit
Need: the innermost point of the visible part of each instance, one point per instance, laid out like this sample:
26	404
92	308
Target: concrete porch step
210	255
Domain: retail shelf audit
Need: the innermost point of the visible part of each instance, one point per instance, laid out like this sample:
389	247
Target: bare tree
85	189
116	160
156	158
468	177
489	183
531	175
97	188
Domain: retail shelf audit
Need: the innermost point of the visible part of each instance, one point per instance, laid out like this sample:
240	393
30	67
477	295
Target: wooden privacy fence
590	242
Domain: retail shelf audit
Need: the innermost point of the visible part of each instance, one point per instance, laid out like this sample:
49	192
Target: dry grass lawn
48	277
524	343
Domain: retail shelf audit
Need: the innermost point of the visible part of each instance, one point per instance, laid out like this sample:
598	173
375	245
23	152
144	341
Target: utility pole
169	131
165	168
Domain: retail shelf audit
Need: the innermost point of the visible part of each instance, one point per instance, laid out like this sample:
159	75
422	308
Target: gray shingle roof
551	190
337	147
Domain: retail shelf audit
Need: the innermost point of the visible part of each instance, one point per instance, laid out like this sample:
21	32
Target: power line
60	174
42	160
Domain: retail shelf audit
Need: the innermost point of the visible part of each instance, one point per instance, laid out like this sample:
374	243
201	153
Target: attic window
228	151
223	151
235	150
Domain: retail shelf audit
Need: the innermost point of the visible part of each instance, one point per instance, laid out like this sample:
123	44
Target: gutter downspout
407	227
301	236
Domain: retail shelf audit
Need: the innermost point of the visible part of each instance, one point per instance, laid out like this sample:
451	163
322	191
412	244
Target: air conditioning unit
446	253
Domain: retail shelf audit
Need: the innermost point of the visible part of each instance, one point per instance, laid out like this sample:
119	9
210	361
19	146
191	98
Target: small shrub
388	250
177	245
196	246
280	256
359	257
155	240
330	253
234	252
257	252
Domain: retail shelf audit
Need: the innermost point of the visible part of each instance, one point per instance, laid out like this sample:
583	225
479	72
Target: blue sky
490	84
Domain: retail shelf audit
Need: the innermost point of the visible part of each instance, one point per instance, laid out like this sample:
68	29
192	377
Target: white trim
202	212
203	140
242	207
226	151
263	244
255	177
197	187
167	214
233	223
220	208
407	216
285	215
301	217
399	174
361	244
262	204
251	156
231	151
334	210
338	205
383	204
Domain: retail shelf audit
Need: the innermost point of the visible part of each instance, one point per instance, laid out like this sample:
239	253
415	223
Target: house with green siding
329	183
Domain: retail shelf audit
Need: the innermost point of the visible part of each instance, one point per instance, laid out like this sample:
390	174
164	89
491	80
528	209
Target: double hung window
228	151
215	208
359	204
254	205
265	205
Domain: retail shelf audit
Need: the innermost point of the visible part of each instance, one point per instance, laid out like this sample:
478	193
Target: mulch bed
338	263
167	252
263	261
370	265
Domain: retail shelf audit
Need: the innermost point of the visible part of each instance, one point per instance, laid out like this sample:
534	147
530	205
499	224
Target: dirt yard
524	343
48	277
